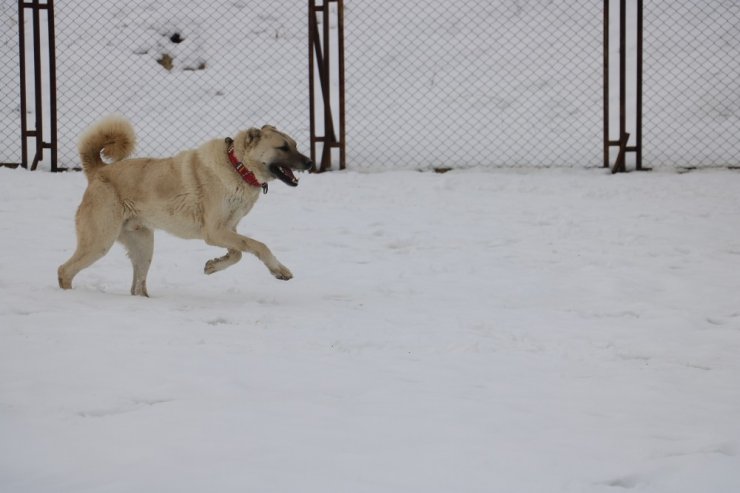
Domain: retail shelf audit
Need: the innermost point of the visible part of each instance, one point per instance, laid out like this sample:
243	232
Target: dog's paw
282	273
211	266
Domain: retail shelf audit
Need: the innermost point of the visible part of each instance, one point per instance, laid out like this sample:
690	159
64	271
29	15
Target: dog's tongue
289	173
285	174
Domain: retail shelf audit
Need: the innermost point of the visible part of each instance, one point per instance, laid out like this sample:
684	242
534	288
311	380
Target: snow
535	331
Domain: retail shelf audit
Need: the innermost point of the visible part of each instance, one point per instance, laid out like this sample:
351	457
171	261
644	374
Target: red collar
239	167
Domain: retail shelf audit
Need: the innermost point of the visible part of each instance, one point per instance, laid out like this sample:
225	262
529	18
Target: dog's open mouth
284	174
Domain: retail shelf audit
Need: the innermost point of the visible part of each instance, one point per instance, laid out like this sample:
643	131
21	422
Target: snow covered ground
477	331
519	331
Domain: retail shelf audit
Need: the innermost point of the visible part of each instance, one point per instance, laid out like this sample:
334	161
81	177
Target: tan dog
200	193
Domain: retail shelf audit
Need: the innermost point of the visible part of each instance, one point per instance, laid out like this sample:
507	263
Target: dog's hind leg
139	243
99	221
220	263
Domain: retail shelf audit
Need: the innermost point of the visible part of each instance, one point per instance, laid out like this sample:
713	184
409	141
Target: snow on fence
429	84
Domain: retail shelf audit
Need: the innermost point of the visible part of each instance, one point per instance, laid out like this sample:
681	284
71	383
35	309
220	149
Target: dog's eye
284	148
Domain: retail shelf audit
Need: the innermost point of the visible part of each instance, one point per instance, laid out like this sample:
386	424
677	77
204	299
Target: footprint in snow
131	406
720	321
627	482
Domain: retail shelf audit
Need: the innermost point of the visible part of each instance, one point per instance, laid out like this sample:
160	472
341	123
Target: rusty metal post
24	102
623	138
311	81
326	90
622	76
320	63
52	144
340	55
37	80
620	165
638	96
606	83
37	132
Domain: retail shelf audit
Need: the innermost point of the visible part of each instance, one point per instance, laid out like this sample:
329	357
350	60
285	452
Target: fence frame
37	132
623	138
320	64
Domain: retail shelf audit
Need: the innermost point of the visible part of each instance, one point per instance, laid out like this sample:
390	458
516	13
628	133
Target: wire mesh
691	103
10	130
183	71
474	83
429	84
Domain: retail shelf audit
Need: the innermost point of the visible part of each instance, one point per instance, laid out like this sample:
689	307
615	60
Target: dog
199	193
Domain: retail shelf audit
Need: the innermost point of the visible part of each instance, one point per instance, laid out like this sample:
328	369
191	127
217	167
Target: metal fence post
52	87
623	138
37	132
321	64
22	63
606	144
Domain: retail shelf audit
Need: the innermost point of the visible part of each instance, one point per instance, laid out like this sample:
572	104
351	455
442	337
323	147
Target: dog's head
272	154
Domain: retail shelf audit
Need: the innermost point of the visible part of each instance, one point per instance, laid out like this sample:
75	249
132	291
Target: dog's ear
253	135
268	127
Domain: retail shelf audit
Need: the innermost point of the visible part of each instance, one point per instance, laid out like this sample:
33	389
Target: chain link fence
691	102
474	83
183	71
10	130
429	84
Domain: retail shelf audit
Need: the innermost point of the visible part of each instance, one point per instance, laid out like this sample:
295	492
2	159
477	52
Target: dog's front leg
220	263
234	241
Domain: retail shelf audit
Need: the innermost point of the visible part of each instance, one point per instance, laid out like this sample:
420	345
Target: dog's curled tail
113	136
